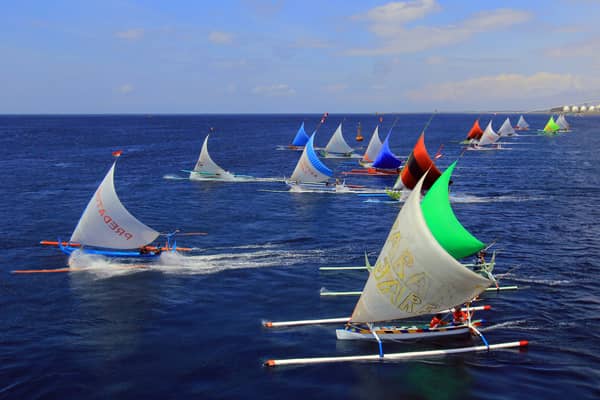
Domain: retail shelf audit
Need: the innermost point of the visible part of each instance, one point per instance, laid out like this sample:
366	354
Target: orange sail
476	131
417	164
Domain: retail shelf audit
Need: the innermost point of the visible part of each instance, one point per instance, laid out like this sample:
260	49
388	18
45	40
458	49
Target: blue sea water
190	327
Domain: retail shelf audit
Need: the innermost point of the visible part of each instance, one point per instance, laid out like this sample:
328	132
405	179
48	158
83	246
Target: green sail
442	222
551	126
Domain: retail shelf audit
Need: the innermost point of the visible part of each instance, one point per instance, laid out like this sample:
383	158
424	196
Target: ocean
191	325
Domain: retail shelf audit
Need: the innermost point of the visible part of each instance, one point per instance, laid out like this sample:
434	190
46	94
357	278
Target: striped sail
476	131
106	223
374	147
337	144
414	275
489	136
310	169
206	168
417	165
506	129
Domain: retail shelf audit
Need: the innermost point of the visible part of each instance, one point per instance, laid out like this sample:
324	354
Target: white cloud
130	34
588	49
386	19
125	88
274	90
399	39
502	87
217	37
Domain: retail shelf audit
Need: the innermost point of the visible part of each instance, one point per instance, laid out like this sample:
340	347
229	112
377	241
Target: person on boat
459	316
158	251
437	321
144	250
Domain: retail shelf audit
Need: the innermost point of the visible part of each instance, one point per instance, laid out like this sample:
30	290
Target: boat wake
176	263
172	177
466	198
520	324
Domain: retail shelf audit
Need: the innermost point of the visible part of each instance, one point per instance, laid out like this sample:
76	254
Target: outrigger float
417	273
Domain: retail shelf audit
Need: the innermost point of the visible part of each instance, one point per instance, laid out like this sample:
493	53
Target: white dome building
592	108
582	109
566	108
574	109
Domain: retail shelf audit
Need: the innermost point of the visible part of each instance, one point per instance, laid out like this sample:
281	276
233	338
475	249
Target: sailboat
386	160
106	228
474	133
373	149
207	170
562	122
488	140
417	273
300	139
416	166
522	125
310	174
506	129
551	127
337	146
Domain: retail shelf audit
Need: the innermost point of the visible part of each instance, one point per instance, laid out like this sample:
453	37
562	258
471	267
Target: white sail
107	223
373	147
506	129
413	274
562	122
206	168
489	136
337	144
310	169
522	124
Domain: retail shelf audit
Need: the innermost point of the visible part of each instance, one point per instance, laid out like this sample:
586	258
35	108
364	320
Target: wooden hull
403	333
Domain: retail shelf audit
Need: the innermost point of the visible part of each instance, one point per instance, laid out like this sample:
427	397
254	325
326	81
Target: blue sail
301	136
315	160
386	159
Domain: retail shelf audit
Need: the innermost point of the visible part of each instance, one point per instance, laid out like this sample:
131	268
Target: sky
289	56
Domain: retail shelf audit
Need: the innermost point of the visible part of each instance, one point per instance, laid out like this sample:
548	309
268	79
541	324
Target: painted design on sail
414	274
337	146
489	137
310	169
551	126
373	148
301	137
106	223
386	159
207	169
562	122
506	129
522	125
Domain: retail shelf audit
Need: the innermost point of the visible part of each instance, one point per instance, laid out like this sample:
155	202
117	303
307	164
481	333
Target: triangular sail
551	125
106	222
562	122
522	124
489	136
337	144
310	169
413	274
476	131
374	146
442	222
417	165
386	159
506	129
206	167
301	137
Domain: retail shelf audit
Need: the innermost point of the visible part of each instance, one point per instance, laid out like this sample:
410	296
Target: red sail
475	132
417	164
